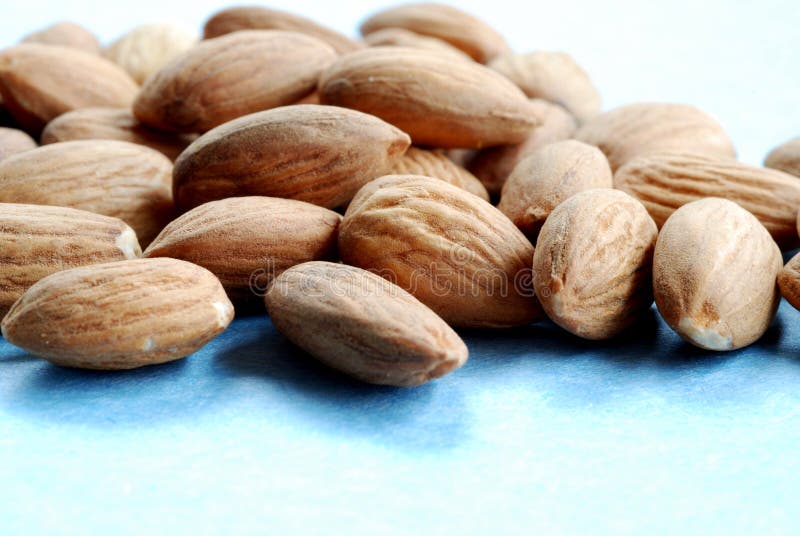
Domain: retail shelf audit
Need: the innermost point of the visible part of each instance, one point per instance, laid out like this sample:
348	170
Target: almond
359	323
453	251
14	141
114	178
548	177
593	263
785	157
398	37
318	154
435	164
714	271
146	49
67	34
231	76
38	241
120	315
470	106
789	281
667	181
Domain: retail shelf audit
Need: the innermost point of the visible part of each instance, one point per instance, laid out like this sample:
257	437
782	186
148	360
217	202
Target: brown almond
435	164
66	34
399	37
789	281
146	49
14	141
785	157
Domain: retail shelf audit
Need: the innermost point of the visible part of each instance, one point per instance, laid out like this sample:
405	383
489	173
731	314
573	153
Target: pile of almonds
349	187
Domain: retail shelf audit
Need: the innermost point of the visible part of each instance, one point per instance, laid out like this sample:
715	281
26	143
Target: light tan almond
359	323
438	101
318	154
549	177
114	178
667	181
147	49
453	251
399	37
67	34
785	157
789	281
714	271
120	315
14	141
36	241
231	76
435	164
593	263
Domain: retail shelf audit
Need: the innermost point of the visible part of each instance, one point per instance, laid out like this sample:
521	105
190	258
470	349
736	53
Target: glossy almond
120	315
399	37
318	154
146	49
785	157
789	281
67	34
435	164
14	141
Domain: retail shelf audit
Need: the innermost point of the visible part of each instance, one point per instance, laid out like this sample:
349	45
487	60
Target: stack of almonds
349	186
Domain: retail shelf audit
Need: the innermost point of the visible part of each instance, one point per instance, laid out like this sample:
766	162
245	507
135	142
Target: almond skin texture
13	141
113	124
66	34
593	263
120	315
114	178
144	50
553	76
398	37
785	157
41	82
548	177
360	324
231	76
248	241
260	18
435	164
714	271
789	281
648	128
460	29
667	181
318	154
36	241
453	251
438	101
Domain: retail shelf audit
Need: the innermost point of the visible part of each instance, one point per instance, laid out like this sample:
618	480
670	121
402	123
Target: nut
785	157
146	49
398	37
789	281
13	141
435	164
66	34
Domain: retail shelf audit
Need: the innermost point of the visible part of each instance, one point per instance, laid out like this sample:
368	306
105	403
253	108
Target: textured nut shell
714	271
667	181
452	250
231	76
435	164
593	263
41	82
361	324
548	177
318	154
113	124
120	315
789	281
13	141
114	178
447	23
398	37
146	49
66	34
438	101
553	76
647	128
261	18
785	157
248	241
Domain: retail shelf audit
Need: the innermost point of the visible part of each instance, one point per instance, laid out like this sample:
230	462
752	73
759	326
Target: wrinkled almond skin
593	263
453	251
114	178
360	324
548	177
789	281
318	154
120	315
399	37
553	76
13	141
231	76
66	34
647	128
667	181
785	157
248	241
41	82
36	241
471	107
714	271
260	18
146	49
113	124
435	164
460	29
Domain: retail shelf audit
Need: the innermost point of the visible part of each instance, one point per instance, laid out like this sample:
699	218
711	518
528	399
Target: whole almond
647	128
714	271
444	22
453	251
67	34
318	154
41	82
435	164
114	178
593	263
38	241
14	141
785	157
119	315
472	106
789	281
399	37
667	181
548	177
248	241
361	324
231	76
146	49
